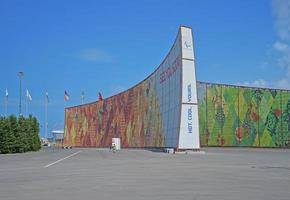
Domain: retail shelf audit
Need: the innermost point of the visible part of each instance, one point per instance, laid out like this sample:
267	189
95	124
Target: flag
46	95
66	96
28	96
100	97
6	93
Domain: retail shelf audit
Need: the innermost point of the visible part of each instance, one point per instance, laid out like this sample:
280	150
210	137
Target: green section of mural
240	116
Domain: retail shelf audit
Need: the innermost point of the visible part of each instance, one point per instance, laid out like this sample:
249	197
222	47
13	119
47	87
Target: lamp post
20	75
46	123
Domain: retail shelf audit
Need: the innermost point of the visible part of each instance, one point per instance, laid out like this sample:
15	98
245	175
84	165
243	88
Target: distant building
57	137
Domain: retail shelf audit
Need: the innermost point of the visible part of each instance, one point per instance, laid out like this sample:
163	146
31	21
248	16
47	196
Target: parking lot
217	173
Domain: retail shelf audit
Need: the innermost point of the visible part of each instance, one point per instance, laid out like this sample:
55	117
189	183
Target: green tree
19	135
22	136
2	121
8	138
16	142
35	133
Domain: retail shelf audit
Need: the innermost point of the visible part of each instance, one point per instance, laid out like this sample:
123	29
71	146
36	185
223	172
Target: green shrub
19	135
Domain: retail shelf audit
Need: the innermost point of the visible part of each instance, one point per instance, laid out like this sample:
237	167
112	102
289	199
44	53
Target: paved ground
139	174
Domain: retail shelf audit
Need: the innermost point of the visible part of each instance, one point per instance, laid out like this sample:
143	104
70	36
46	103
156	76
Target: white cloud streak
257	83
281	10
94	55
281	47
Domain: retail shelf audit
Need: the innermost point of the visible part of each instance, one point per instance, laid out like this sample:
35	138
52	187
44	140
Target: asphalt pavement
74	174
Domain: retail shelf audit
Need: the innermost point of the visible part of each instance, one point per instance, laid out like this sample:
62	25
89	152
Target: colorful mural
242	116
134	116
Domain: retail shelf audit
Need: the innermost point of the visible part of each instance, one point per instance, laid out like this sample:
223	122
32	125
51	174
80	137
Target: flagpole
64	106
26	105
46	123
6	105
20	75
82	97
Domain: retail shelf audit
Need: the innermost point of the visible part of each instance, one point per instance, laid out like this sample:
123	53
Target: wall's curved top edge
242	86
139	83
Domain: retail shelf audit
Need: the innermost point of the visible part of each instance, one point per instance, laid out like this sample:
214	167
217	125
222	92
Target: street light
20	75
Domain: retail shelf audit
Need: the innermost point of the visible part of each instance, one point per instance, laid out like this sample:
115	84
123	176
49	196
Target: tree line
19	135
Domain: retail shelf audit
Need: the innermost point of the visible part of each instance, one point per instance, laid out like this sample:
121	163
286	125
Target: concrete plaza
219	173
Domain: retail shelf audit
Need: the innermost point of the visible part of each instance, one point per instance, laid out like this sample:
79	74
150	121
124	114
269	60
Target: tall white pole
64	106
46	123
6	105
82	97
20	74
26	105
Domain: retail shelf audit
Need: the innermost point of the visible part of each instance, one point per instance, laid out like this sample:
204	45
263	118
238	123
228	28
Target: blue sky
109	46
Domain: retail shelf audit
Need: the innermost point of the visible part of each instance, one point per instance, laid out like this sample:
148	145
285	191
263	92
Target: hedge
18	135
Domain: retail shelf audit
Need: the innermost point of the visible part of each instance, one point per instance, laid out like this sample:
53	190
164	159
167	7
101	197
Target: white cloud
280	46
283	50
260	83
284	83
95	55
281	10
257	83
280	49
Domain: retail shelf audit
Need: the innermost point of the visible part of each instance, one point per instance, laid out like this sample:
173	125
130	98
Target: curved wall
164	111
161	111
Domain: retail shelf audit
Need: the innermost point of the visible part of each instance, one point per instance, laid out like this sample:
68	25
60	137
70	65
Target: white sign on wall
189	93
189	130
189	124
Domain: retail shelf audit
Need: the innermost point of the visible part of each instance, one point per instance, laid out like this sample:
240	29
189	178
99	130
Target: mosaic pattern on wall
243	116
133	116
